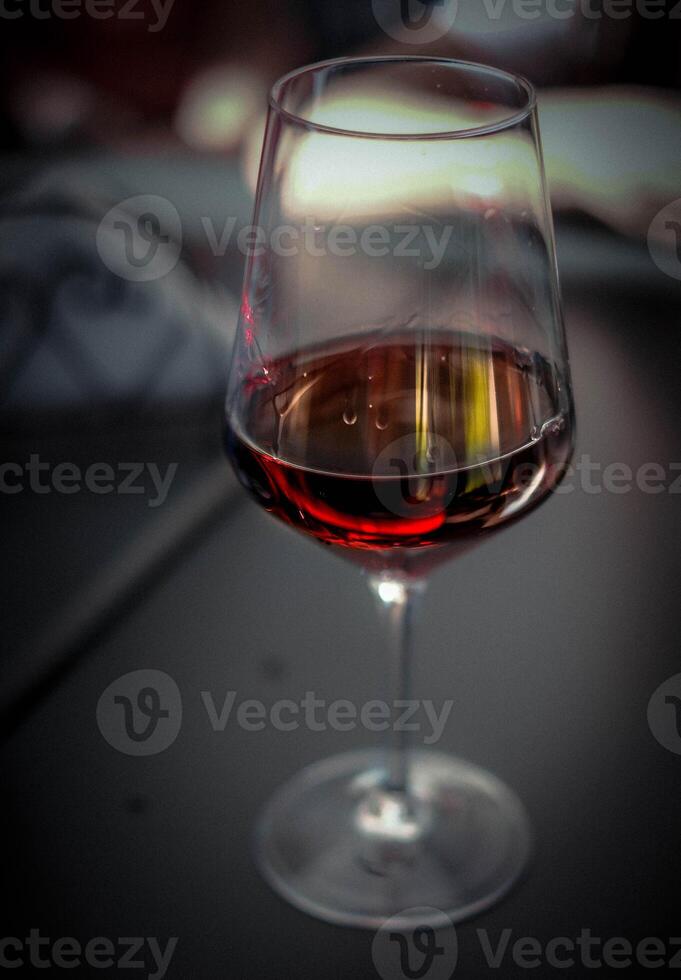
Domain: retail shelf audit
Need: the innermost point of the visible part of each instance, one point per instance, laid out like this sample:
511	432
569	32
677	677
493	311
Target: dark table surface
550	639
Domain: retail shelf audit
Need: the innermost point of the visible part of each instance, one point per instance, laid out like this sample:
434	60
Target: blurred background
157	107
130	135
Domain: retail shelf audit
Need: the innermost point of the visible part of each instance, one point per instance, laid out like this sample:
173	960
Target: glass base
338	845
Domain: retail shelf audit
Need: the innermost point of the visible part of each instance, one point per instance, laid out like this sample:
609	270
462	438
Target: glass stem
389	818
397	600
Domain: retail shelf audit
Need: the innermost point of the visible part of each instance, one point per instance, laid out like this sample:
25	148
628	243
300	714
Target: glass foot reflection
337	844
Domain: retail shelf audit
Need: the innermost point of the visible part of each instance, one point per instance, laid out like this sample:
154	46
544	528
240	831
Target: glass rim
514	117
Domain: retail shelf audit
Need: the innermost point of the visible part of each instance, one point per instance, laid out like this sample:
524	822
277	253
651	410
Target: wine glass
399	389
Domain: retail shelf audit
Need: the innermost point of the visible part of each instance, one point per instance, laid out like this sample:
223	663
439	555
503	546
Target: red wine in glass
385	442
